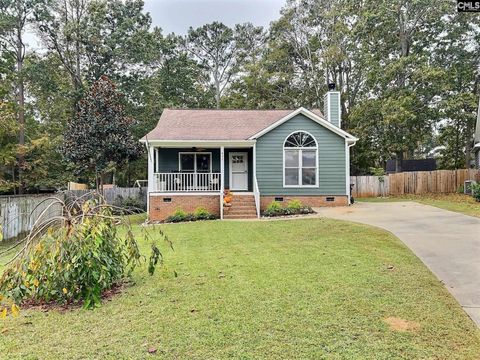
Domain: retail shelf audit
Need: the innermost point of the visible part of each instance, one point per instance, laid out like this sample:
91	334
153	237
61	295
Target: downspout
349	189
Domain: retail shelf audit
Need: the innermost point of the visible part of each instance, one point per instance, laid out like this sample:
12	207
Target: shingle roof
176	124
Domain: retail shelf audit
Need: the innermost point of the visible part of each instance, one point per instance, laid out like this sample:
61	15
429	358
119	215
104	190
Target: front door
238	171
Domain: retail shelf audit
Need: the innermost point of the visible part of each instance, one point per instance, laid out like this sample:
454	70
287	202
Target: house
476	144
259	155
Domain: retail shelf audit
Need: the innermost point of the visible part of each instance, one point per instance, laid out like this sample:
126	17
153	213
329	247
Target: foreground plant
8	307
75	257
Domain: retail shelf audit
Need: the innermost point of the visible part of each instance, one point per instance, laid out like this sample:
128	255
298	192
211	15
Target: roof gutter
204	143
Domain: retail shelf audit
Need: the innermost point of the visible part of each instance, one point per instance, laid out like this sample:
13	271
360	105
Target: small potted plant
227	198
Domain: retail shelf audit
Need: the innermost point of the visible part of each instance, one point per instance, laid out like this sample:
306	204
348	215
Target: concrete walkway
447	242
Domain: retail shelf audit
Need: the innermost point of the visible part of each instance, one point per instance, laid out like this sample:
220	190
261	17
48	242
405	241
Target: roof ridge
208	109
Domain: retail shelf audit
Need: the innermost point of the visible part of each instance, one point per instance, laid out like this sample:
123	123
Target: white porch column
256	192
222	178
254	151
151	185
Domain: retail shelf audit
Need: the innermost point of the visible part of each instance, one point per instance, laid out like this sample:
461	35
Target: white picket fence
19	213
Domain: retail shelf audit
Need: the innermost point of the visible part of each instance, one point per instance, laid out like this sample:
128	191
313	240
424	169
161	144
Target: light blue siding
332	107
331	159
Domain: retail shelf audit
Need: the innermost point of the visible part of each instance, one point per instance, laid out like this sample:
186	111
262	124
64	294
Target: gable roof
311	115
477	128
225	125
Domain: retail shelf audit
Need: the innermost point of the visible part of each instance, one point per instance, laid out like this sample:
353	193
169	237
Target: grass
464	204
299	289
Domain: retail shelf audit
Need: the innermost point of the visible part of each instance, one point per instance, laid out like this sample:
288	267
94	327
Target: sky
178	15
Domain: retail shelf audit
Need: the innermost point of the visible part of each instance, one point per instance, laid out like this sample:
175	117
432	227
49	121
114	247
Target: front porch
201	169
200	172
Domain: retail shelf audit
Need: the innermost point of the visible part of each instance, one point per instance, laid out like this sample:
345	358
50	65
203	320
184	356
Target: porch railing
187	182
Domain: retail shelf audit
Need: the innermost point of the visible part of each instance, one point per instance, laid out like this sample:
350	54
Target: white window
300	160
195	162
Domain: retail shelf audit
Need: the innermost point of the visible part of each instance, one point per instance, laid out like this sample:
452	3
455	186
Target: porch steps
243	207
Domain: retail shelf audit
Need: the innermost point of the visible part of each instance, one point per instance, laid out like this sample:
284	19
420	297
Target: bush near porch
309	288
294	207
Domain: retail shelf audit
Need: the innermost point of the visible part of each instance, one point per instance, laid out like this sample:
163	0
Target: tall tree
62	25
458	52
14	18
214	47
398	38
99	136
8	148
98	37
118	41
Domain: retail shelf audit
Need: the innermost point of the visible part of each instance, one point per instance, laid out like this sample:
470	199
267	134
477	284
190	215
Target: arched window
300	160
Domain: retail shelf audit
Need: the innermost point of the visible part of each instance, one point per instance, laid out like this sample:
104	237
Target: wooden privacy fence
417	182
19	213
117	196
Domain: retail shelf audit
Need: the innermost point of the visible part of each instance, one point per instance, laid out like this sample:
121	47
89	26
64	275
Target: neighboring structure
259	155
412	165
476	144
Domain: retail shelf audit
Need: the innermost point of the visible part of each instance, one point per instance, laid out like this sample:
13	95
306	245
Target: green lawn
305	289
454	202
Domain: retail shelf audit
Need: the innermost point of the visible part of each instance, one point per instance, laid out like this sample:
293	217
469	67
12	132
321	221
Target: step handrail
256	194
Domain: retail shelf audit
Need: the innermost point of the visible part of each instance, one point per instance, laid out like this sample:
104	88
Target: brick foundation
313	201
160	210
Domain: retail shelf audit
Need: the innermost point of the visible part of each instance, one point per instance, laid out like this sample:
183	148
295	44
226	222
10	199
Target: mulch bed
107	295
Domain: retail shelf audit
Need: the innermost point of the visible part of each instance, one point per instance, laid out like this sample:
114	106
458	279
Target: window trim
180	153
300	161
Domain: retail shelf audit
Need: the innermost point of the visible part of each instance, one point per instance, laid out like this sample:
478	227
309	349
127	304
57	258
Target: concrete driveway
447	242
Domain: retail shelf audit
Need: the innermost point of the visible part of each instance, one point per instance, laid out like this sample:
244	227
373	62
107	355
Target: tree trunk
97	181
101	183
217	93
20	100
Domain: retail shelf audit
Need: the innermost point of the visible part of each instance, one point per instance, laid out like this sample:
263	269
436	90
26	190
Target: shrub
460	189
274	206
132	204
294	207
178	216
75	260
476	191
199	214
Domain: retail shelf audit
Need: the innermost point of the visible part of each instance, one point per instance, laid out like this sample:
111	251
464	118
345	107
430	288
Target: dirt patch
402	325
